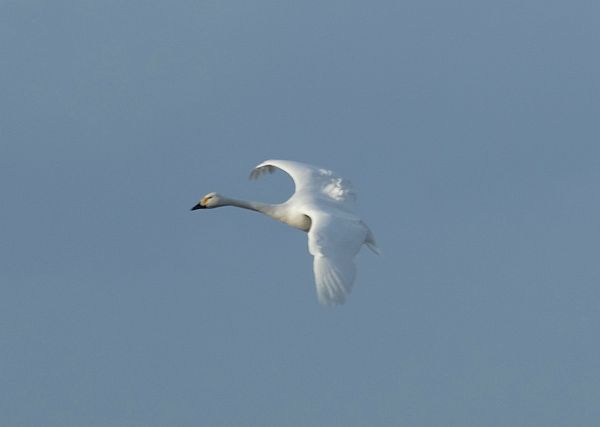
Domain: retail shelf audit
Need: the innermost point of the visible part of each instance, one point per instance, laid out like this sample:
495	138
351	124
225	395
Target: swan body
323	206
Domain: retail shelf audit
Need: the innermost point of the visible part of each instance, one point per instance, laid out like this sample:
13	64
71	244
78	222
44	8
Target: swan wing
310	181
334	241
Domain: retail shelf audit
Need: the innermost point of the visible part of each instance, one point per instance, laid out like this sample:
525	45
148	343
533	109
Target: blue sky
469	129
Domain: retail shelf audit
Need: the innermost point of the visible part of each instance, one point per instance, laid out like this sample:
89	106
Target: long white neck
265	208
279	212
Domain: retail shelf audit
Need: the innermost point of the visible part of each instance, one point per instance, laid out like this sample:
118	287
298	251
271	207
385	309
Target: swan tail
371	243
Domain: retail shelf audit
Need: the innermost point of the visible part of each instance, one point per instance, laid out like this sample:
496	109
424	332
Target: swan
322	206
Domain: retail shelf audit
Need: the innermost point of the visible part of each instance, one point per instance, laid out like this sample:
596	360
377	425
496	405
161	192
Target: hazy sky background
470	130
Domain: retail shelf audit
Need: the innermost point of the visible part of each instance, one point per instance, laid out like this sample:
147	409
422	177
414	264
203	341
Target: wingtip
331	300
261	169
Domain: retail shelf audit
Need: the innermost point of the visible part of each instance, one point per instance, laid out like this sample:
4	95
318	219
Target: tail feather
371	243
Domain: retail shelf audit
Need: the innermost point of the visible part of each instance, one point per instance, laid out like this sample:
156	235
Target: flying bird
323	206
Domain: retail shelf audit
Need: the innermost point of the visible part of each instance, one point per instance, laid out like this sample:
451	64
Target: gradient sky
470	130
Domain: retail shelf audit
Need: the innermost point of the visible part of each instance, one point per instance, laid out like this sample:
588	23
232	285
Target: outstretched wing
310	180
334	241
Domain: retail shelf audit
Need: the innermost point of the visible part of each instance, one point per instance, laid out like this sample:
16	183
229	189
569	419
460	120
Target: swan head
211	200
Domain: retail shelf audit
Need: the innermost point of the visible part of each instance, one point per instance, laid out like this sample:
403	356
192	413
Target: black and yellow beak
198	206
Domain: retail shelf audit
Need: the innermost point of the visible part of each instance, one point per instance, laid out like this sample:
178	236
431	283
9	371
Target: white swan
322	205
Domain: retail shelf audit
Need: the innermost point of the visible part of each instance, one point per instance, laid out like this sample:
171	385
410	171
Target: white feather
322	205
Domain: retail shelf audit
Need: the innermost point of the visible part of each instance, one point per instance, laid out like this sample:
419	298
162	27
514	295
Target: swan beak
198	206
